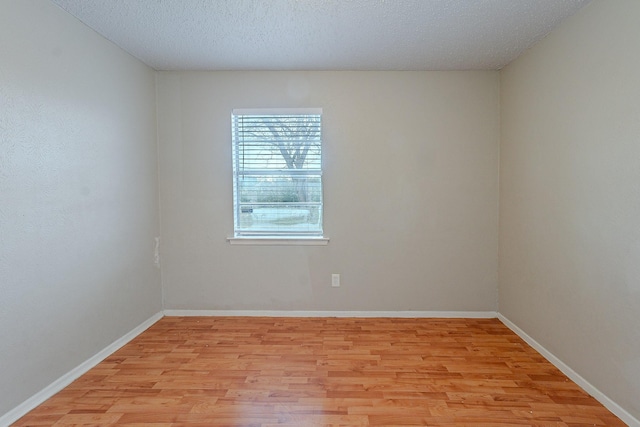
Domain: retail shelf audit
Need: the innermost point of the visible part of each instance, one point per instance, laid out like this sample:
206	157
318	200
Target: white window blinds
277	172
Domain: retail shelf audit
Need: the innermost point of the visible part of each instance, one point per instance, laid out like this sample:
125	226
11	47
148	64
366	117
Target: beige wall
410	185
570	196
78	196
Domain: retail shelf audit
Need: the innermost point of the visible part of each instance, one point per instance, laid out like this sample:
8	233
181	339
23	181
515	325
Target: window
277	173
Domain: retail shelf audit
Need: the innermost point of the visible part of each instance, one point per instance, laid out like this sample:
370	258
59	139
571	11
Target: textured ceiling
323	34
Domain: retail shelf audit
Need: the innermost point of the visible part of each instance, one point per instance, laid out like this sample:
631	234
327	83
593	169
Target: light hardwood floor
234	371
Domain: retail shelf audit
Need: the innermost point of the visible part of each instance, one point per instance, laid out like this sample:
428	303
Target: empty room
320	212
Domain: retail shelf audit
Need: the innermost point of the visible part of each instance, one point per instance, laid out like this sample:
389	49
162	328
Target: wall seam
159	182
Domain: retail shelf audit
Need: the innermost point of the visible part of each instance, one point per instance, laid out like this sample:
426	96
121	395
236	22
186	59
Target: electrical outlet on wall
335	280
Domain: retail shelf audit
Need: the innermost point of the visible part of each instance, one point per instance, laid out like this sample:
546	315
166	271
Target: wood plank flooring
231	371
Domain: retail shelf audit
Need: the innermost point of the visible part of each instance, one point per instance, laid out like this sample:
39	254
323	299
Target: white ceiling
323	34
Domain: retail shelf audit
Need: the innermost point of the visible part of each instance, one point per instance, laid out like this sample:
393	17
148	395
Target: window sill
279	241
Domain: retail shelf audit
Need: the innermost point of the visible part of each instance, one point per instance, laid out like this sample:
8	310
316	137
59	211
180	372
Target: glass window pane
277	174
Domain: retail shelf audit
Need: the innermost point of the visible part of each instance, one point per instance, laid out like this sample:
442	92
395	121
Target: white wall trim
573	375
279	241
288	313
21	410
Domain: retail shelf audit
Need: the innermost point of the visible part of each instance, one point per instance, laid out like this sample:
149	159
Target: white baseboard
21	410
302	313
573	375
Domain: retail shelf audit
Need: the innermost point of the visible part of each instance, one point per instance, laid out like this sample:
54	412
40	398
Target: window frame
278	237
